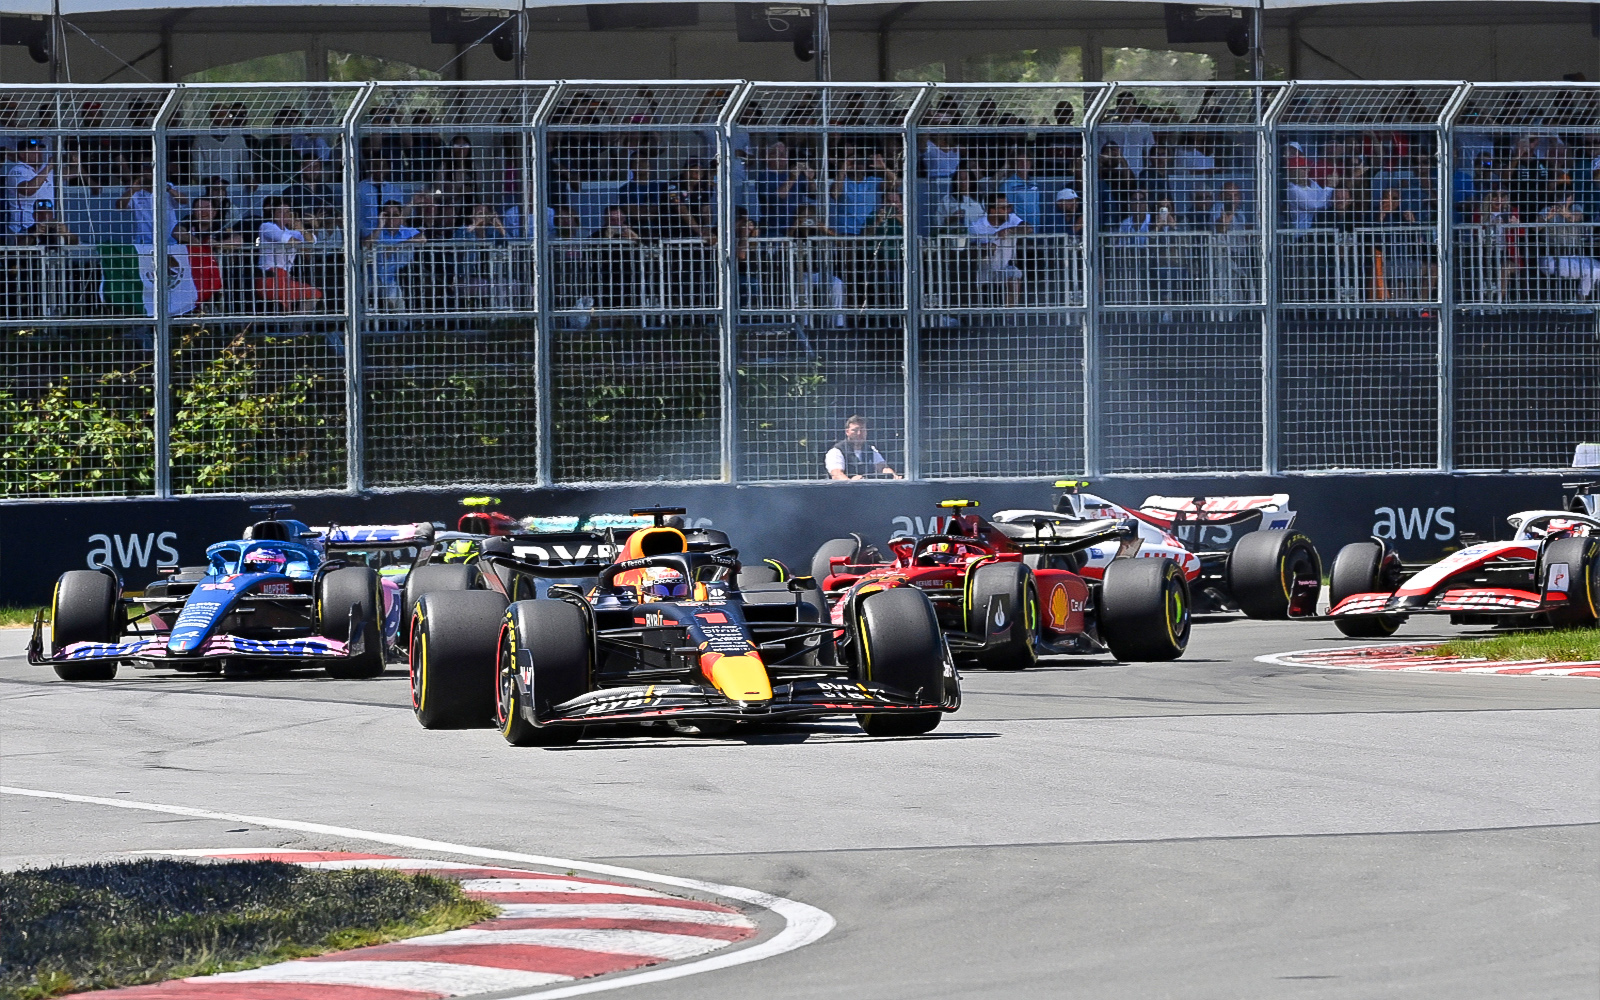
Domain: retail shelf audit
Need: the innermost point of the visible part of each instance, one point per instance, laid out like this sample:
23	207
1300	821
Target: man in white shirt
1307	197
853	458
29	179
1131	133
223	154
999	229
278	238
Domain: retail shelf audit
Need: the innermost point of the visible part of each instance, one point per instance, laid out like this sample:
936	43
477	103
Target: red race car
999	612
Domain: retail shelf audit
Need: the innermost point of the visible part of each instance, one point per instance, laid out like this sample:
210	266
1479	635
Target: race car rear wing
1175	512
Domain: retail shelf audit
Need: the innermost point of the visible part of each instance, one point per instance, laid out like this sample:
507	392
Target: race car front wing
799	699
152	650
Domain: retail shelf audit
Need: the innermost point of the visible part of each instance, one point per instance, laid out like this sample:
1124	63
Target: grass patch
80	927
1558	646
16	617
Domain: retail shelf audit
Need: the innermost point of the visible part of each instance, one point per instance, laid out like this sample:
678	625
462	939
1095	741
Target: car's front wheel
900	647
84	610
1362	568
552	637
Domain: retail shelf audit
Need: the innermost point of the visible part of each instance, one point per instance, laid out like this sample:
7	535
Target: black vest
854	465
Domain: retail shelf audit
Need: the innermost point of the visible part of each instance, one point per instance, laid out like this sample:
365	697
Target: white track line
563	885
612	941
803	923
1454	664
621	911
449	978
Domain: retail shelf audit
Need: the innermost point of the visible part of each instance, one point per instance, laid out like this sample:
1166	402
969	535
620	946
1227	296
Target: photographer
853	458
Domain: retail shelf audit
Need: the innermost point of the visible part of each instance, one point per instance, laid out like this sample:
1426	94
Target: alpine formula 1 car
1548	573
1239	553
283	595
666	634
1003	592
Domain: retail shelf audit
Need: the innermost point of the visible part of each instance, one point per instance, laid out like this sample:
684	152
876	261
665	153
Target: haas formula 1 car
1238	553
283	595
1548	573
1004	594
666	634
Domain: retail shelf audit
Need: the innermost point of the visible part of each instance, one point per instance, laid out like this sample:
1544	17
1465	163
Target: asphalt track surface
1214	827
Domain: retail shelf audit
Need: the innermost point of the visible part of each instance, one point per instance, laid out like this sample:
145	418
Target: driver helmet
940	553
265	561
659	583
460	550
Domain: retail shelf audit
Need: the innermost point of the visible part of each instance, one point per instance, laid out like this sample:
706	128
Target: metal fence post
911	285
1267	177
162	368
1447	276
1092	450
355	436
728	282
534	230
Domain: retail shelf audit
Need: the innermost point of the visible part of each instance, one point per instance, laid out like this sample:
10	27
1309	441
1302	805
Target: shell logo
1059	606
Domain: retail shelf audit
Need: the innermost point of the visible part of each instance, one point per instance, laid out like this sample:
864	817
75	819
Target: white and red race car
1239	553
1547	573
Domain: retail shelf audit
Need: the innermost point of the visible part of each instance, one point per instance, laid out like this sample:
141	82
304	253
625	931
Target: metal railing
242	288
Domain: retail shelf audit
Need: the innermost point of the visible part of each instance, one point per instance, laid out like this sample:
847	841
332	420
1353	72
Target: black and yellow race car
666	634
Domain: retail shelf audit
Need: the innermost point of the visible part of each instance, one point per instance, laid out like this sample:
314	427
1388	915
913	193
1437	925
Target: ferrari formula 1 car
283	595
1548	573
667	635
1004	594
1239	553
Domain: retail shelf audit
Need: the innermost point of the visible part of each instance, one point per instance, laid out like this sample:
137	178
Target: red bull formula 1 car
1548	573
666	634
1004	591
284	595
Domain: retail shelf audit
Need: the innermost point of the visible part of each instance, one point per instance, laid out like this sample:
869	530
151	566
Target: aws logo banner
119	552
1415	523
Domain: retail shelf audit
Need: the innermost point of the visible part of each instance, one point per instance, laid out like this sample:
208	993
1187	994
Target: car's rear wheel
337	593
1360	568
454	654
900	647
1144	609
1275	574
1004	602
434	578
822	560
1581	557
84	609
555	636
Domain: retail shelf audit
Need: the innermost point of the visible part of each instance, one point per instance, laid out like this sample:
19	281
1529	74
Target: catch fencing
246	288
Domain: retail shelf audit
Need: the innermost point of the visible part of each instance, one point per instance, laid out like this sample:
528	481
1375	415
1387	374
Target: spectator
615	226
1139	220
1226	214
311	189
1307	197
782	186
817	262
377	187
853	458
48	230
484	225
1116	181
998	230
858	193
393	245
886	251
1068	217
201	231
224	152
959	209
643	197
279	235
140	200
29	179
1397	258
1026	199
1565	233
1131	134
690	206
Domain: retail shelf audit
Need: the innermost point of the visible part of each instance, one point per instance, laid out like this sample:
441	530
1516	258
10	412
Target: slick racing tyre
337	592
900	647
454	640
1581	577
821	562
1359	569
1003	601
555	635
1271	573
84	610
1144	609
432	579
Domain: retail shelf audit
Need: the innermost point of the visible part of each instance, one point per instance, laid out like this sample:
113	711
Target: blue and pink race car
284	595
